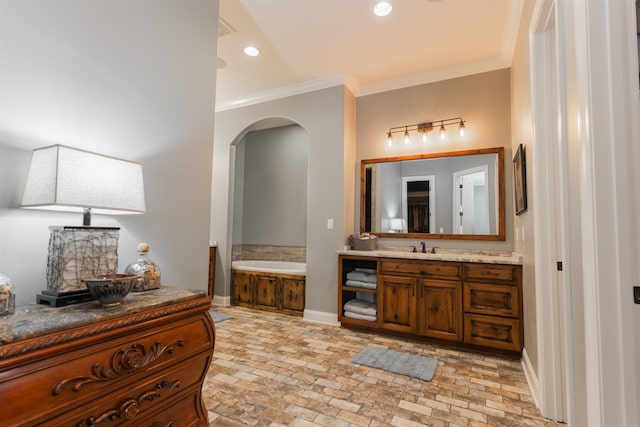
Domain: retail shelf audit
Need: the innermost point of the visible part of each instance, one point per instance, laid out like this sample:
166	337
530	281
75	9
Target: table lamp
67	179
398	225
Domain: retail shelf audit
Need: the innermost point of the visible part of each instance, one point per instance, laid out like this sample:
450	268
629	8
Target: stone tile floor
271	369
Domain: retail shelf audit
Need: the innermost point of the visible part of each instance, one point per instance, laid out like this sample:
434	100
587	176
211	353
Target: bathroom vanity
471	298
142	363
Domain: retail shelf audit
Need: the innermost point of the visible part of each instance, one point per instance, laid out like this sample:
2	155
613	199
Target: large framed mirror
452	195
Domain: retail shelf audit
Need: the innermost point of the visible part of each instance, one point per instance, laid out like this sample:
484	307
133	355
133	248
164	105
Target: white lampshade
67	179
397	224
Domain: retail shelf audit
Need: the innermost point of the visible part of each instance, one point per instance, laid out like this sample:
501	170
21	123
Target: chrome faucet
424	248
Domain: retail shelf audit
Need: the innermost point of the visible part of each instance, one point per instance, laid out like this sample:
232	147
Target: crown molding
286	91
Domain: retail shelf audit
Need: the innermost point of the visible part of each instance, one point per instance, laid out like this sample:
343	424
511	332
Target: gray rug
411	365
219	317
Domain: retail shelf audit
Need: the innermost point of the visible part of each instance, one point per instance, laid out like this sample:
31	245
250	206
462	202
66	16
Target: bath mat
411	365
219	317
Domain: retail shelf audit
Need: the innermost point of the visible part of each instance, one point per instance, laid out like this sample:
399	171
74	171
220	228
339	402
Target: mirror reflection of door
471	201
418	203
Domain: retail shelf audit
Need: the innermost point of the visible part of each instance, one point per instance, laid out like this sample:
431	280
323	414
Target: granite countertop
460	255
34	320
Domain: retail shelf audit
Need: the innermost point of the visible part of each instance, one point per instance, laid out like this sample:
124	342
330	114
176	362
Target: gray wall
134	80
322	114
274	190
482	100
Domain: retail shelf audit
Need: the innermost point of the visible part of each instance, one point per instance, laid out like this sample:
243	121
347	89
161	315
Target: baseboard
321	317
221	301
532	378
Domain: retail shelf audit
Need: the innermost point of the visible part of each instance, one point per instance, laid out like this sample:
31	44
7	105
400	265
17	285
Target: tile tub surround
271	369
460	255
269	253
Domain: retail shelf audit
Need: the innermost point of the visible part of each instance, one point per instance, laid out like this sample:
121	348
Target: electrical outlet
330	224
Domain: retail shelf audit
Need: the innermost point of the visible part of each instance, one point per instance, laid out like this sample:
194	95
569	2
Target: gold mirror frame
499	151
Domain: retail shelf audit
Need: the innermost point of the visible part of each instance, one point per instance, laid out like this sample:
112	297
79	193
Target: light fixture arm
426	126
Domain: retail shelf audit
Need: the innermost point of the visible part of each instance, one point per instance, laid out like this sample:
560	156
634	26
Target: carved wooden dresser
142	363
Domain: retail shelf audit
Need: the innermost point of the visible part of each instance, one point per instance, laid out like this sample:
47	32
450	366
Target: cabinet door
440	309
242	289
266	289
292	291
398	303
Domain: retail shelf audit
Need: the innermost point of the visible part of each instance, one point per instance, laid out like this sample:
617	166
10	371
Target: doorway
418	203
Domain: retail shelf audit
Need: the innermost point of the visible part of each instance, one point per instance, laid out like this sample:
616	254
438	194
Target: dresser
473	299
142	363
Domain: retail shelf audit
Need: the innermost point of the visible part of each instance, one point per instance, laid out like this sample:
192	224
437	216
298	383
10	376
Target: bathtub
277	267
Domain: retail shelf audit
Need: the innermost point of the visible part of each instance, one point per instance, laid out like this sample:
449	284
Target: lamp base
61	299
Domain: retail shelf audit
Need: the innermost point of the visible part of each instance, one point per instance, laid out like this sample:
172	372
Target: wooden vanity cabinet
479	304
422	297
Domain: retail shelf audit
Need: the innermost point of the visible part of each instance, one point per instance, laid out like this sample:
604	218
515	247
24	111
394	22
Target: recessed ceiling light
382	8
251	51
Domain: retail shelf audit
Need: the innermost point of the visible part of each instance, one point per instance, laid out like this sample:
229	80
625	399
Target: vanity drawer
497	300
496	332
492	272
431	269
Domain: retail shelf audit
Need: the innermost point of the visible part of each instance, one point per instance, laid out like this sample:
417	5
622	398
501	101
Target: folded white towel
358	284
366	270
362	276
361	307
359	316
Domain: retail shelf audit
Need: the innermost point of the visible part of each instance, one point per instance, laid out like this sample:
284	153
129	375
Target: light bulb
424	136
461	129
382	8
443	134
251	51
389	139
406	136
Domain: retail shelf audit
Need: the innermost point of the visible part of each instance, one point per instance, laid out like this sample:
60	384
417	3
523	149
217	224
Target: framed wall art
520	180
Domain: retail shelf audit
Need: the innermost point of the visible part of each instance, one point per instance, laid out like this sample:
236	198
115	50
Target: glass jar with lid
147	270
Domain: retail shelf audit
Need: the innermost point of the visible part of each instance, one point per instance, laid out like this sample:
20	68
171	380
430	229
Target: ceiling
313	44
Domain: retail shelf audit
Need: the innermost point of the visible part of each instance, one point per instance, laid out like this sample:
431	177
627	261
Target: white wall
134	80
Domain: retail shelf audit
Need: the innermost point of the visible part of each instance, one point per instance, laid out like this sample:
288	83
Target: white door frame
598	65
550	221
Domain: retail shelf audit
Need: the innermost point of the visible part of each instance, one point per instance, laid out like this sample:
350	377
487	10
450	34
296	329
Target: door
398	303
440	309
471	201
266	289
292	294
242	289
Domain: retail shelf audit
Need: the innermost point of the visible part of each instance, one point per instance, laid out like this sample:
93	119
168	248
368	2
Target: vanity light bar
426	127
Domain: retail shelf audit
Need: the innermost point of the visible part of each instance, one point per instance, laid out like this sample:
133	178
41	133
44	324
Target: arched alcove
270	174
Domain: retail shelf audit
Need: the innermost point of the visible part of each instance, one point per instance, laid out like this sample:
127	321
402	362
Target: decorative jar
147	271
7	296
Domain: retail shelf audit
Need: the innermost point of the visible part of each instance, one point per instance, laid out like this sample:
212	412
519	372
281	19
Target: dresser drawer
498	300
430	269
129	406
496	332
490	272
65	381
